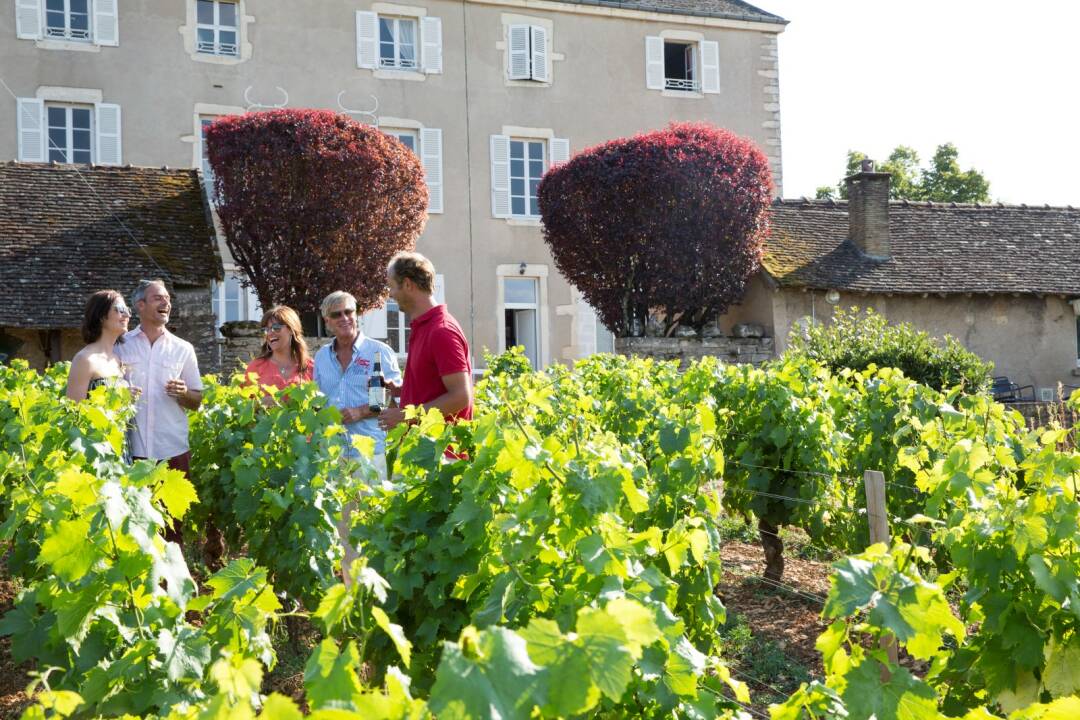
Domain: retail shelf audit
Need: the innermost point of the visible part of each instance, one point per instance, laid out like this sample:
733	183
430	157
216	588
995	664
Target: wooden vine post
878	519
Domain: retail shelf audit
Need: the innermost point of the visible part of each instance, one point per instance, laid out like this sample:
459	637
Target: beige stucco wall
308	47
1031	340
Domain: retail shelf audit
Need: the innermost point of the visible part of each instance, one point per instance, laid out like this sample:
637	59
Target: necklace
283	368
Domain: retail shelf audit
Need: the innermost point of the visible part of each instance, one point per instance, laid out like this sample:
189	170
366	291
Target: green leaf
686	664
637	621
330	676
66	549
903	697
238	677
397	635
571	690
1062	674
608	650
278	707
335	606
183	655
500	682
175	492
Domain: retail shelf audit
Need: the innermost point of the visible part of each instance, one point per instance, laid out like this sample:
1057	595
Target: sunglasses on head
122	309
274	327
338	313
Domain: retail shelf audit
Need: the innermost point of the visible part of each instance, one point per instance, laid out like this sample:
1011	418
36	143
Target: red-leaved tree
670	222
312	201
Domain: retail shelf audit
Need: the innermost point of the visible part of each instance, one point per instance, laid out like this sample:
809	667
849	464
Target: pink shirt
268	373
161	425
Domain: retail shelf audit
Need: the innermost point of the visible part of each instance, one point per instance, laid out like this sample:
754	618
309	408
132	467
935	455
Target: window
231	301
407	138
217	28
680	63
526	168
68	19
605	339
527	56
521	312
204	159
70	133
411	42
397	329
397	43
517	164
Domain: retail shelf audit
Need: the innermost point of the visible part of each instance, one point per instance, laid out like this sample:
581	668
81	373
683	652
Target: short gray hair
333	300
143	286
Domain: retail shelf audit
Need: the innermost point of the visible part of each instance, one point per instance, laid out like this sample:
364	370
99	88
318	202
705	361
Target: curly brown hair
97	309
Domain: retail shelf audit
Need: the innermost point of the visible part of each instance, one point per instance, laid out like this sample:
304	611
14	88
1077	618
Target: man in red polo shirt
438	373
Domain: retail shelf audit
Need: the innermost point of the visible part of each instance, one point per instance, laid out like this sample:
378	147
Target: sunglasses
122	309
338	313
274	327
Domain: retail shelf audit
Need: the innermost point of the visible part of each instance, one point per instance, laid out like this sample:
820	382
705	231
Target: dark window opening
679	62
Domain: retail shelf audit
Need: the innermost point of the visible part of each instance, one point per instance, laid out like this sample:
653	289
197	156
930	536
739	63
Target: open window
521	314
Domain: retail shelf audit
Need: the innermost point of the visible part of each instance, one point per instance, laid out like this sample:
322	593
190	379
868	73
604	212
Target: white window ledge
56	44
686	94
388	74
523	222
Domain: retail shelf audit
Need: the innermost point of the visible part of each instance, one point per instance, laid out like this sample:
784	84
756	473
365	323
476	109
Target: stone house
67	231
1002	279
488	93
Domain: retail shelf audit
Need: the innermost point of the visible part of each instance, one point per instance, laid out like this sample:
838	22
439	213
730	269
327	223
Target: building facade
489	93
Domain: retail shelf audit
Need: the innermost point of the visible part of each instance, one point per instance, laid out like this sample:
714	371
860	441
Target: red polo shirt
437	347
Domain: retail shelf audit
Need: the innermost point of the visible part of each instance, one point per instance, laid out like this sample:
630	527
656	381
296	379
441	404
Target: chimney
868	210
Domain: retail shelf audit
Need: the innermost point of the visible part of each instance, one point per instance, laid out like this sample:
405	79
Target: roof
61	237
726	9
933	248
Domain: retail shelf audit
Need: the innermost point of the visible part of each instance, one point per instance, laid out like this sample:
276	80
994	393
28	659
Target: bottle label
377	397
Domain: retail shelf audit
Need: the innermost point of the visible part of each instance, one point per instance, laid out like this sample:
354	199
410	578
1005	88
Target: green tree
943	181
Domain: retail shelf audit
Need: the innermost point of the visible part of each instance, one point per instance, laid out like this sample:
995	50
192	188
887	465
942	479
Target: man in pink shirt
438	371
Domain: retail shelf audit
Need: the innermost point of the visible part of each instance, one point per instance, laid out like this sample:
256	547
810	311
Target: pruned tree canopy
312	201
669	222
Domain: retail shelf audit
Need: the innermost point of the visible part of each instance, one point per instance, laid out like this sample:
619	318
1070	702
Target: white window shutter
106	23
431	157
586	328
654	63
518	52
374	323
440	289
539	53
30	119
108	134
710	66
28	19
367	39
431	31
559	150
500	176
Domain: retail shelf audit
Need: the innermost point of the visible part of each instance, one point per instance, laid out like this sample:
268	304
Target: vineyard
561	562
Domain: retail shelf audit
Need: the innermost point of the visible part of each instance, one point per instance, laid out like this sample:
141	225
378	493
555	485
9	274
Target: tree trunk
774	550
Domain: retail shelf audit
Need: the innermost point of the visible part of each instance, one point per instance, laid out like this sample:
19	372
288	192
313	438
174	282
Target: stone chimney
868	210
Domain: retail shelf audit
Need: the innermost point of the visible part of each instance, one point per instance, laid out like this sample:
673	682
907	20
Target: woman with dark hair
284	358
105	320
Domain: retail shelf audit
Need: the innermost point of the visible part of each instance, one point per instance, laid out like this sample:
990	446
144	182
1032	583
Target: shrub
856	339
312	201
670	222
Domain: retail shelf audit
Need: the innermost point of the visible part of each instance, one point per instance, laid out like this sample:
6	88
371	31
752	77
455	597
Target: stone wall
242	341
687	350
193	320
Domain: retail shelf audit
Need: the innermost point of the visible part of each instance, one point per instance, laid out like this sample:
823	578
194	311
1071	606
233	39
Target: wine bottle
376	388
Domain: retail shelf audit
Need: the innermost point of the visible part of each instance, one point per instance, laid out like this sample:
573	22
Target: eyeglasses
274	327
338	313
122	309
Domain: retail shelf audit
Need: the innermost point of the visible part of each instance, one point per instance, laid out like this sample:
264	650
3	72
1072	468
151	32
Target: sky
998	79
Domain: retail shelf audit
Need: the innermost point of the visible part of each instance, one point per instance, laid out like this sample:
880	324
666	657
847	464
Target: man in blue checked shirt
342	369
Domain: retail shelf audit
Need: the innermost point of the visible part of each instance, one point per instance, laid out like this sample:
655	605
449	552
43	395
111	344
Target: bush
857	339
669	222
312	201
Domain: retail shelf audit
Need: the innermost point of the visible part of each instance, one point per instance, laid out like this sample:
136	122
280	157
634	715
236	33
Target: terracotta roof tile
61	236
934	248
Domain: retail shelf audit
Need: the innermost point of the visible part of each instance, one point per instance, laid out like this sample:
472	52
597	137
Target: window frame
691	84
247	303
395	33
527	178
402	133
69	132
402	328
66	32
511	308
216	28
